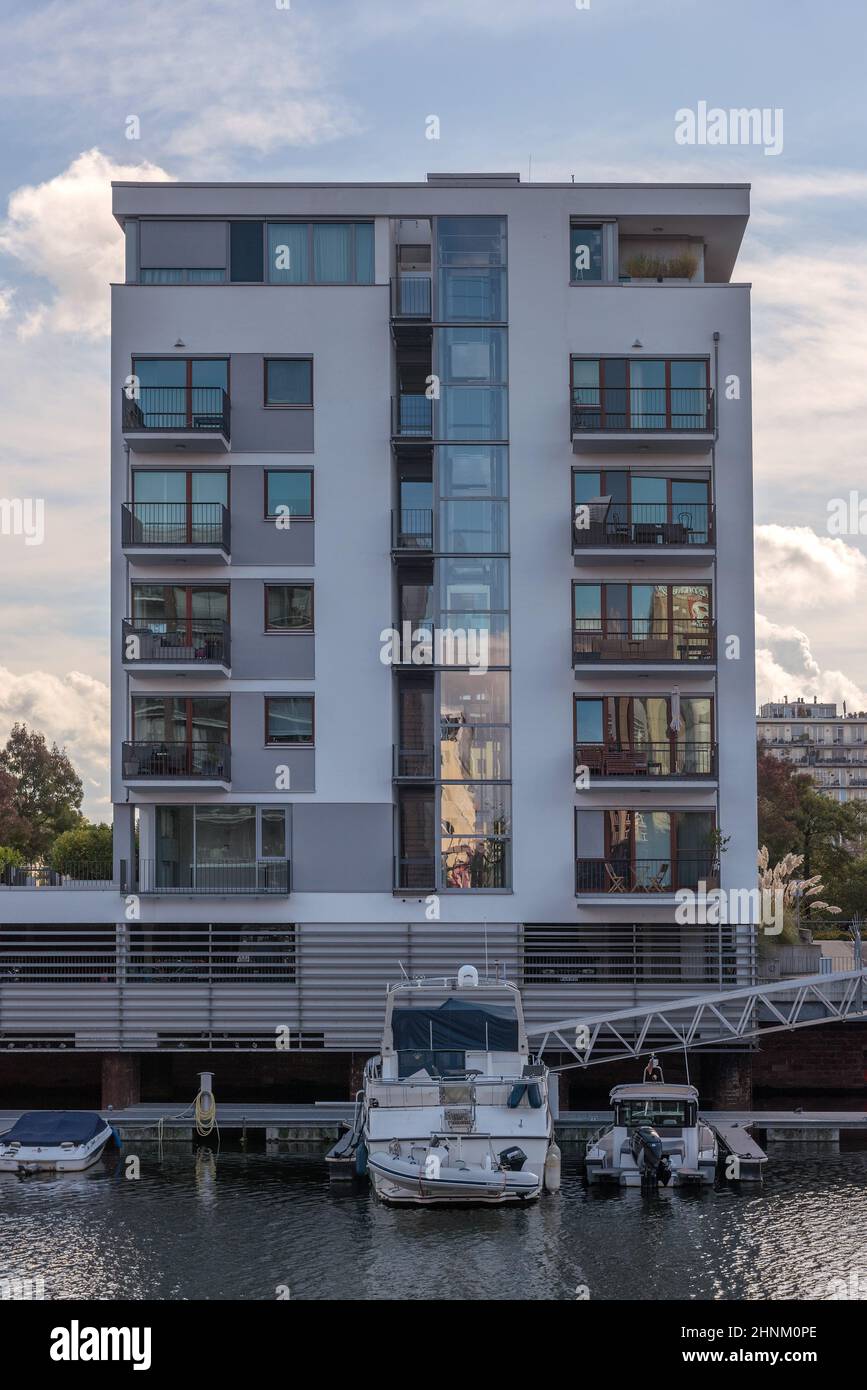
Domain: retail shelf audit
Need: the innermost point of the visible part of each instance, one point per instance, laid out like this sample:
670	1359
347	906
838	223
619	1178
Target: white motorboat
657	1138
454	1109
62	1141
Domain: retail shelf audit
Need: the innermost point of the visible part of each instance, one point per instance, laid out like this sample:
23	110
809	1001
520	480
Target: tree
14	829
86	850
48	791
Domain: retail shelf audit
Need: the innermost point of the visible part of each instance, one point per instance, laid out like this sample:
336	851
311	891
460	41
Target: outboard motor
652	1162
513	1159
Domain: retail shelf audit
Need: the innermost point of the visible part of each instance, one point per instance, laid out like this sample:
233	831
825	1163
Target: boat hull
32	1158
398	1180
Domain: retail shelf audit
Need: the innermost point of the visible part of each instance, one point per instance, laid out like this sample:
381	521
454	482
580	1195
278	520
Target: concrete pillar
727	1081
123	838
121	1080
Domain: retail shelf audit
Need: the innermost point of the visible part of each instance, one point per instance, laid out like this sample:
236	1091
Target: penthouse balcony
161	418
642	530
643	642
152	532
619	405
150	648
160	763
244	878
673	760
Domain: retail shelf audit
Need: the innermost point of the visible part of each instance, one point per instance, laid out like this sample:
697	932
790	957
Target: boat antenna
485	929
403	971
686	1059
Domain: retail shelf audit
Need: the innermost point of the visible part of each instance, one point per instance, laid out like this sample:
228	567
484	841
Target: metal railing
170	409
251	877
210	953
92	874
642	523
169	525
204	643
412	416
637	954
639	874
641	409
412	530
411	295
415	764
671	759
821	755
161	760
415	874
642	639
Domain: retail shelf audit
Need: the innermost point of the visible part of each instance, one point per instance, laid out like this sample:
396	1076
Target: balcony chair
616	881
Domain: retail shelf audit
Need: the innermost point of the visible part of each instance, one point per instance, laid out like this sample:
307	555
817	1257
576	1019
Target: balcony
411	297
152	532
415	764
641	875
619	419
159	763
643	642
642	530
160	418
415	876
411	531
246	878
412	417
151	648
94	874
667	761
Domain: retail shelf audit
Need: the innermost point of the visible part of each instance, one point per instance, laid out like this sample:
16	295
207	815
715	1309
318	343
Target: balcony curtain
332	253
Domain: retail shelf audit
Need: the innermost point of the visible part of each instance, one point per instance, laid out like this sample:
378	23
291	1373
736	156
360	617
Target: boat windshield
659	1113
438	1038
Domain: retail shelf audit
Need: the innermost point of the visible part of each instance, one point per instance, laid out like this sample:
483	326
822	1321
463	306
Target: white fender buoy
552	1169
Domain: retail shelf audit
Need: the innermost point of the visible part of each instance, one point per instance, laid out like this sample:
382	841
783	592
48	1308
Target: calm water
237	1225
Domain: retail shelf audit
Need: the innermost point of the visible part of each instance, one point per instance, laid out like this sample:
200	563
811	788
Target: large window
585	254
472	366
475	835
645	734
179	393
288	607
471	269
474	726
289	492
621	393
288	381
645	509
151	275
246	252
161	605
176	506
289	719
320	253
193	840
473	489
474	600
644	851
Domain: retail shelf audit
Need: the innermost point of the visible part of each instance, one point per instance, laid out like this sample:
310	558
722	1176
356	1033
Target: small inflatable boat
62	1141
402	1179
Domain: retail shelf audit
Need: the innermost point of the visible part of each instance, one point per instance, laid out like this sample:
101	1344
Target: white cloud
63	231
786	666
798	569
71	710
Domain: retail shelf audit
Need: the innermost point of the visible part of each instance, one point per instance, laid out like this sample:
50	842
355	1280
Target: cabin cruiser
60	1141
454	1109
657	1138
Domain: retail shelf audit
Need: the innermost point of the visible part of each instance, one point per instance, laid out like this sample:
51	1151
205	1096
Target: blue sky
334	90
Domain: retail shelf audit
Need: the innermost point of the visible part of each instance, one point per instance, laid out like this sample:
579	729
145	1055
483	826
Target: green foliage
46	795
643	266
86	845
10	858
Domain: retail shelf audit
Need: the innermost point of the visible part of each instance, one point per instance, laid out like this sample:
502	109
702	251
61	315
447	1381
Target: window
585	259
288	380
247	252
619	393
289	719
290	489
176	506
288	607
471	260
320	253
180	393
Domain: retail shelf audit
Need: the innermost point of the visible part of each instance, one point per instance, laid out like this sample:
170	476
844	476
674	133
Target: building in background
510	422
815	739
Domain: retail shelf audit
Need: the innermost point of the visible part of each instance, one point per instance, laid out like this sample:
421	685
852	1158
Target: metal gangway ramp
707	1020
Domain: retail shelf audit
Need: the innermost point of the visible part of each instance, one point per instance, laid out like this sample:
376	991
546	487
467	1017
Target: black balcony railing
164	760
638	874
642	409
412	416
415	764
411	295
92	874
415	874
673	759
204	643
642	640
642	523
252	877
412	529
169	409
178	525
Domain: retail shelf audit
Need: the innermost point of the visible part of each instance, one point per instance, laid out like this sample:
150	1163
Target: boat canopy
458	1024
50	1127
652	1090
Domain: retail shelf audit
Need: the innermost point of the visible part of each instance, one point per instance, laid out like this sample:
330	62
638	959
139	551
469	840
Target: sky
343	89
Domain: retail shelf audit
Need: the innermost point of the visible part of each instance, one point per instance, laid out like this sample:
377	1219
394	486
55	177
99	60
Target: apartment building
815	739
432	605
